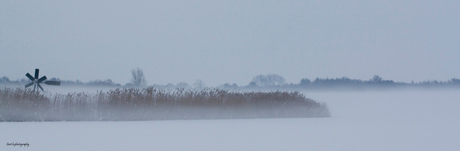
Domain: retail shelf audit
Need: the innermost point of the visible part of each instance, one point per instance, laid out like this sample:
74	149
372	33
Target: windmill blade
36	73
40	87
53	82
30	84
30	77
41	79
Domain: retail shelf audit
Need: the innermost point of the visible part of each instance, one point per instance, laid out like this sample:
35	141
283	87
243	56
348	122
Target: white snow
421	120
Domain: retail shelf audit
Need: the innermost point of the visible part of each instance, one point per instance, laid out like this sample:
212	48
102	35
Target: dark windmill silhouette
36	81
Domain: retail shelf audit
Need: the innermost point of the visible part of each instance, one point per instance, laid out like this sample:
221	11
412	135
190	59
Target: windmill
36	81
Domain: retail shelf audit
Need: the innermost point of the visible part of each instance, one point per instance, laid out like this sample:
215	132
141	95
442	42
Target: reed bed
132	104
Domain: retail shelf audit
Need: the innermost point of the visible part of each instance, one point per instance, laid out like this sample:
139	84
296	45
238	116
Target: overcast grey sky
230	41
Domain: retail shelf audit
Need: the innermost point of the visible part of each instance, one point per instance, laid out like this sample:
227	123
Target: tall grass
155	104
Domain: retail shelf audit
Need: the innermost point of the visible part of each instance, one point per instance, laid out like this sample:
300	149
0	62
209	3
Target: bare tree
199	84
268	80
183	85
376	78
138	78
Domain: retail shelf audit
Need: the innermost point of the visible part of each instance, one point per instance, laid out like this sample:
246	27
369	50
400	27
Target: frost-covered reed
155	104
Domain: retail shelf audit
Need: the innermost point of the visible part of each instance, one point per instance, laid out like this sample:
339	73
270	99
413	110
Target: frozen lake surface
361	121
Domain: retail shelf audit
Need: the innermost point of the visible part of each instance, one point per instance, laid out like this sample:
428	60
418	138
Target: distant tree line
135	82
271	81
107	82
263	81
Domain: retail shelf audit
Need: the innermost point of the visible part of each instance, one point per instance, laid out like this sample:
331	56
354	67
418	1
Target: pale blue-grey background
230	41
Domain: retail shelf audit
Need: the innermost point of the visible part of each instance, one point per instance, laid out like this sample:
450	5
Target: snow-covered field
361	121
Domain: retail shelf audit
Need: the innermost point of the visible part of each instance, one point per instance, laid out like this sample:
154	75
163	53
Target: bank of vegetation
155	104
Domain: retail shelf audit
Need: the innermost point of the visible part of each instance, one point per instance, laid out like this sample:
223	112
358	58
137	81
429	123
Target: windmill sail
36	81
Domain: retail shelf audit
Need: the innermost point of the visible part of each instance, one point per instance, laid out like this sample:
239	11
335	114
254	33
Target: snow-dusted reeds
22	104
155	104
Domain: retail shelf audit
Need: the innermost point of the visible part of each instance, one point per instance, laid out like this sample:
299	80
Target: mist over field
361	120
325	114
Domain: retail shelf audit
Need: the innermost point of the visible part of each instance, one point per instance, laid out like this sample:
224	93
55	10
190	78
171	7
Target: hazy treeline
269	81
375	82
106	82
